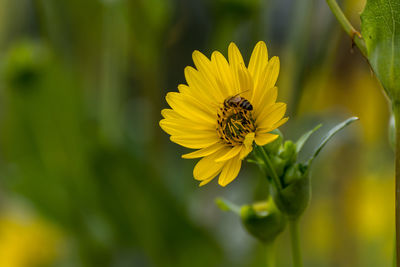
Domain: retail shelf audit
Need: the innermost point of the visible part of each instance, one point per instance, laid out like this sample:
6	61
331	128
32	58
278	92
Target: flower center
235	120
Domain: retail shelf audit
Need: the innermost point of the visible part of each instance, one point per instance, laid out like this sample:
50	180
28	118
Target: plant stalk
295	240
270	167
270	254
396	113
347	27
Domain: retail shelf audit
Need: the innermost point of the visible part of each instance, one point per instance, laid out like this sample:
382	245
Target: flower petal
188	109
271	115
245	81
230	154
230	171
225	78
279	123
247	145
267	98
170	113
267	78
271	72
202	101
201	86
204	182
209	73
207	168
203	152
235	60
258	62
263	138
195	142
182	129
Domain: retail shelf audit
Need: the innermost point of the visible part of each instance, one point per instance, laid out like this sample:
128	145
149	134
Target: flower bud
263	220
289	153
292	174
279	165
293	198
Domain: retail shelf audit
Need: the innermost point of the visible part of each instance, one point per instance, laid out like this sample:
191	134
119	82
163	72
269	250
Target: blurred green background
89	179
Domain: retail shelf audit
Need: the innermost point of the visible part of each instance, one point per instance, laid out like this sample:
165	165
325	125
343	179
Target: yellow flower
224	109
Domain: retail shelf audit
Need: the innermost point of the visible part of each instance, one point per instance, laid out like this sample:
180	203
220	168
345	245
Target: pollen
234	123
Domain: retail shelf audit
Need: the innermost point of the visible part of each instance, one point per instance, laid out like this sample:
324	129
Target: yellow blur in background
28	241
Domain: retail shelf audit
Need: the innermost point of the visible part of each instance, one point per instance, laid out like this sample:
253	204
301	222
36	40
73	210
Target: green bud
279	165
263	220
292	173
289	153
294	197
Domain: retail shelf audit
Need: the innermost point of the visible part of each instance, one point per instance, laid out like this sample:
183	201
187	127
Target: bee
238	101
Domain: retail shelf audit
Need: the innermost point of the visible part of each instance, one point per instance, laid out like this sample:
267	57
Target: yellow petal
207	168
271	115
230	154
188	109
183	129
267	98
177	123
247	145
204	182
245	81
268	78
170	113
194	92
203	152
263	138
225	78
245	151
195	142
279	123
271	72
230	171
235	60
234	55
201	86
204	102
209	73
258	62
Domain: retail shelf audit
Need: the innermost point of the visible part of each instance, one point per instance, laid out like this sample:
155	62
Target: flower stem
270	253
396	113
270	168
295	240
347	27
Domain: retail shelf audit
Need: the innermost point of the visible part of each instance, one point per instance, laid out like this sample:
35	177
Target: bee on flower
224	109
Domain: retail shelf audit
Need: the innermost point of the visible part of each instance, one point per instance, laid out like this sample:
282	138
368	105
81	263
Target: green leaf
330	134
304	138
380	28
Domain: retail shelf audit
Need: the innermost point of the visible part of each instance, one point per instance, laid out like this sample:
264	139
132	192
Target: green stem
396	113
294	236
347	27
270	253
270	167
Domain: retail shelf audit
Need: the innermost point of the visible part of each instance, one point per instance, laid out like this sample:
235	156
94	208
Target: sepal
262	220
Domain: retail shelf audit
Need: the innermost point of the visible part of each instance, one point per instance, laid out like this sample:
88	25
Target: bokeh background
89	179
